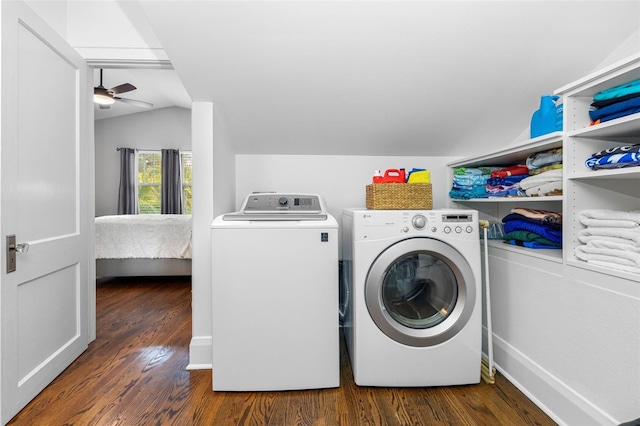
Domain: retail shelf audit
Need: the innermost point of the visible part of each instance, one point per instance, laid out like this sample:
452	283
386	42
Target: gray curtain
171	202
128	191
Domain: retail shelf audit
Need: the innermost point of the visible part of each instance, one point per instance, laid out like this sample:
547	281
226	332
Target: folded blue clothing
531	244
614	109
511	192
607	102
474	192
618	91
547	232
619	114
468	180
507	180
547	223
614	161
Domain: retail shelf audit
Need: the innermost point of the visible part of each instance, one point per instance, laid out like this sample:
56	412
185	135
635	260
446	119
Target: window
150	181
185	158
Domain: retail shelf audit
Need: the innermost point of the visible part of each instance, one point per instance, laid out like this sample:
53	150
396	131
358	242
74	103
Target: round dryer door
420	292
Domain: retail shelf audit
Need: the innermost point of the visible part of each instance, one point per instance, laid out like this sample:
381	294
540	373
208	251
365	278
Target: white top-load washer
275	295
413	315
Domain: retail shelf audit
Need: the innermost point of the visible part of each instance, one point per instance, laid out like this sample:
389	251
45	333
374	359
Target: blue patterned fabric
614	161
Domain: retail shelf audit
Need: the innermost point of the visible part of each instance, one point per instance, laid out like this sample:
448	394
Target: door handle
20	247
12	249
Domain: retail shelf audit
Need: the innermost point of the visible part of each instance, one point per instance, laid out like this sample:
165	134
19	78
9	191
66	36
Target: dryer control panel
459	223
374	224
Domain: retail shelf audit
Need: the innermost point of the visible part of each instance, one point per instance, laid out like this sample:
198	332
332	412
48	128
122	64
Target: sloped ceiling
383	77
117	37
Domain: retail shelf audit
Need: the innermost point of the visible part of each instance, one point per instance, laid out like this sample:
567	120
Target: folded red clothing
520	169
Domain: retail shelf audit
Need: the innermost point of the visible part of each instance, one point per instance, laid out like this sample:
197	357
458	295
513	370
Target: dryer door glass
419	290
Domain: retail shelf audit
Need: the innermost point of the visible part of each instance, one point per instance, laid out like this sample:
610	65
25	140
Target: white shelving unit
495	208
617	189
547	304
583	188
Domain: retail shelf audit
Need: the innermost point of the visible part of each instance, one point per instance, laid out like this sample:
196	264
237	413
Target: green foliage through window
185	157
150	181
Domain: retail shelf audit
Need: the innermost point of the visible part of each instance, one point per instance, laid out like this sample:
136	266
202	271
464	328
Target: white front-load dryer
413	315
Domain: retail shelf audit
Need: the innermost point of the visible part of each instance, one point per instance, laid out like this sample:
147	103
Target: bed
143	245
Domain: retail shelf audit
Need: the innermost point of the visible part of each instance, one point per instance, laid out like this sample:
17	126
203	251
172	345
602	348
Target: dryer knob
283	201
419	221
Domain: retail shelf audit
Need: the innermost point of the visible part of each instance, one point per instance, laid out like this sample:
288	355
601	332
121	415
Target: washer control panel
272	202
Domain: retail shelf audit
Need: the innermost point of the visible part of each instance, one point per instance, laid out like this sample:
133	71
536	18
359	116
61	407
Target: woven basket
399	196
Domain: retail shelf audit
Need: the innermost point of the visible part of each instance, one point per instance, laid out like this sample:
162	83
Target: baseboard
560	402
200	353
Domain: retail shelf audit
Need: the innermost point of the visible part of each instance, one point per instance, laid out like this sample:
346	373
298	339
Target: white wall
213	194
155	129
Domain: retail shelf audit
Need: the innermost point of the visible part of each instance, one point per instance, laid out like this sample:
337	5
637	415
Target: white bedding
148	236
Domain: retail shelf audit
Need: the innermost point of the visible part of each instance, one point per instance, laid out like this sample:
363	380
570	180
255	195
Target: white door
43	181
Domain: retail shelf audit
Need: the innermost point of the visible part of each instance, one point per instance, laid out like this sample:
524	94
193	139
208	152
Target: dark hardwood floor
134	373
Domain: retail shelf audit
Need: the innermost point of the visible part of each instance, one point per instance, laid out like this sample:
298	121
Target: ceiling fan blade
141	104
126	87
104	106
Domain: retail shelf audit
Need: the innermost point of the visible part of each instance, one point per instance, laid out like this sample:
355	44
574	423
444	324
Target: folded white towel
615	266
620	257
609	223
621	218
614	235
614	245
544	189
545	177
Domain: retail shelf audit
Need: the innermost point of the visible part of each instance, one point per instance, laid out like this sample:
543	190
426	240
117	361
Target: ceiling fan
105	97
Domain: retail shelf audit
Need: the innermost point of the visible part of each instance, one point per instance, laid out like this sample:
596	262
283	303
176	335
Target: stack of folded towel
615	158
505	181
469	182
616	102
532	228
611	239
